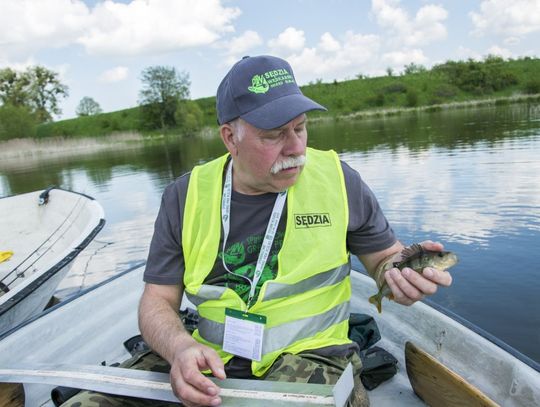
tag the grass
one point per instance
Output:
(429, 90)
(92, 126)
(424, 89)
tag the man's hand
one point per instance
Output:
(408, 286)
(163, 331)
(187, 381)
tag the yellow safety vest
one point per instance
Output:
(307, 304)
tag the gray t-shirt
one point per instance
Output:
(368, 231)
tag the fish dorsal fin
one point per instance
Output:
(412, 250)
(409, 252)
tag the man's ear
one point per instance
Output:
(227, 133)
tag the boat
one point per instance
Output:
(42, 232)
(86, 332)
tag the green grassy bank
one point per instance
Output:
(459, 83)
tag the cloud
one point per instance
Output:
(466, 53)
(507, 17)
(18, 66)
(359, 48)
(512, 41)
(116, 74)
(289, 40)
(425, 28)
(237, 47)
(501, 52)
(156, 26)
(328, 43)
(333, 58)
(26, 25)
(241, 44)
(112, 28)
(388, 14)
(61, 69)
(353, 53)
(405, 57)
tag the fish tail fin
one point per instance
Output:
(377, 301)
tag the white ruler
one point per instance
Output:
(153, 385)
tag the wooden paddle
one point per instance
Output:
(11, 395)
(439, 386)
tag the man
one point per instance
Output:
(259, 240)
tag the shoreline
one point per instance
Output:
(19, 148)
(506, 100)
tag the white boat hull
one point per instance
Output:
(44, 239)
(91, 328)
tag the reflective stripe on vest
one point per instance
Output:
(277, 290)
(282, 335)
(306, 304)
(207, 292)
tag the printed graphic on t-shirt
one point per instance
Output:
(241, 259)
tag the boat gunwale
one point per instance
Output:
(484, 334)
(430, 303)
(53, 270)
(55, 187)
(69, 299)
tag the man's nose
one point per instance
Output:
(294, 144)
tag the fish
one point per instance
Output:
(417, 258)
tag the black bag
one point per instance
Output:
(378, 366)
(190, 319)
(363, 330)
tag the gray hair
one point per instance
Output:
(238, 127)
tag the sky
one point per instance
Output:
(99, 48)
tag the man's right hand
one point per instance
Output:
(188, 383)
(163, 331)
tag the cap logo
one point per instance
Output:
(271, 79)
(258, 84)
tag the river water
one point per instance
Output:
(468, 178)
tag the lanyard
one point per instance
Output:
(268, 237)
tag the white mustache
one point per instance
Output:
(288, 163)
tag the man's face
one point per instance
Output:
(268, 160)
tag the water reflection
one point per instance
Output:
(468, 178)
(165, 159)
(450, 129)
(481, 190)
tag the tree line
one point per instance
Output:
(31, 97)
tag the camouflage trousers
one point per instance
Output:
(302, 368)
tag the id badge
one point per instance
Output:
(243, 334)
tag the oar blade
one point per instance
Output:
(439, 386)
